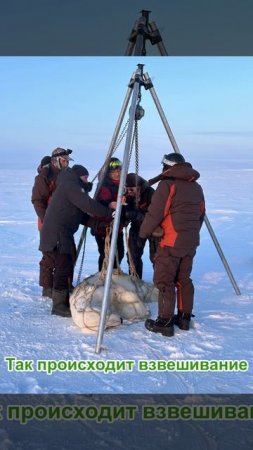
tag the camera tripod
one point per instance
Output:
(143, 30)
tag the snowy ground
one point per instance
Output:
(222, 327)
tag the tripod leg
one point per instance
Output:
(162, 49)
(162, 115)
(154, 30)
(132, 40)
(140, 45)
(81, 242)
(221, 254)
(176, 149)
(129, 50)
(125, 164)
(103, 169)
(114, 138)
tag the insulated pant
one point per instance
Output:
(137, 251)
(63, 268)
(172, 272)
(101, 249)
(47, 269)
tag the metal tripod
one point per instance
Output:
(102, 171)
(143, 30)
(137, 81)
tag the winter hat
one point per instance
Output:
(172, 158)
(80, 170)
(133, 180)
(62, 153)
(45, 161)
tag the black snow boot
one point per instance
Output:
(59, 303)
(160, 325)
(182, 320)
(47, 292)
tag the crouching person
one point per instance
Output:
(70, 206)
(178, 206)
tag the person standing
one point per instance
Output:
(138, 198)
(178, 206)
(70, 206)
(42, 191)
(107, 196)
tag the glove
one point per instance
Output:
(134, 215)
(140, 242)
(128, 215)
(158, 232)
(139, 218)
(89, 186)
(122, 215)
(97, 226)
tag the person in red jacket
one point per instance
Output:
(107, 196)
(178, 206)
(42, 191)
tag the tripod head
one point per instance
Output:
(143, 30)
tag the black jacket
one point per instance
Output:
(70, 206)
(146, 193)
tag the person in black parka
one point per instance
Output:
(70, 206)
(138, 198)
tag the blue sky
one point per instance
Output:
(74, 102)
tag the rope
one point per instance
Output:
(101, 276)
(135, 140)
(133, 274)
(107, 253)
(89, 302)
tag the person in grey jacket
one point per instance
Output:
(70, 206)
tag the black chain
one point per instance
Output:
(132, 146)
(122, 135)
(136, 159)
(82, 259)
(136, 131)
(120, 138)
(84, 233)
(135, 140)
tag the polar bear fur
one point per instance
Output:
(128, 300)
